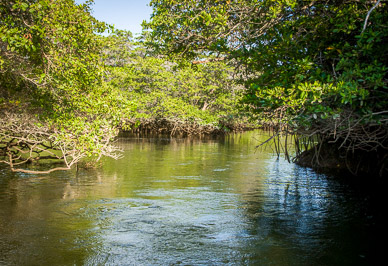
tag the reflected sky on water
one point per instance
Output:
(184, 202)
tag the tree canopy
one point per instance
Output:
(53, 102)
(315, 67)
(311, 68)
(66, 89)
(190, 99)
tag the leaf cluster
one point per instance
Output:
(309, 65)
(157, 88)
(51, 68)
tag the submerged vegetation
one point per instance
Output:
(313, 70)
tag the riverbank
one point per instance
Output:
(178, 127)
(357, 164)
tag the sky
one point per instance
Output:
(124, 14)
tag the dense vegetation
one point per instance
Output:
(66, 90)
(318, 69)
(315, 70)
(169, 97)
(53, 102)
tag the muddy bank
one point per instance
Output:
(330, 158)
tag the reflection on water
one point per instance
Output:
(183, 201)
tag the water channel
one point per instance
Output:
(181, 201)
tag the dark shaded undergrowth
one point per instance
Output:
(178, 127)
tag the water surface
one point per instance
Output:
(173, 201)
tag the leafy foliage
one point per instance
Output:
(65, 90)
(311, 66)
(153, 87)
(51, 73)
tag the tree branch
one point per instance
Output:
(367, 15)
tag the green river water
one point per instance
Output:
(181, 201)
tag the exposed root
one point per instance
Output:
(348, 143)
(24, 141)
(175, 127)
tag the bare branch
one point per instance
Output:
(367, 15)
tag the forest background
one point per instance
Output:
(312, 70)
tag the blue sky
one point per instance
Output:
(124, 14)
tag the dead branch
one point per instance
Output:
(368, 14)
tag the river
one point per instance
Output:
(182, 201)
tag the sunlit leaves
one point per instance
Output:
(51, 63)
(306, 58)
(155, 87)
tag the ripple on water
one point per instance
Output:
(183, 202)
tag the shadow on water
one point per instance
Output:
(190, 201)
